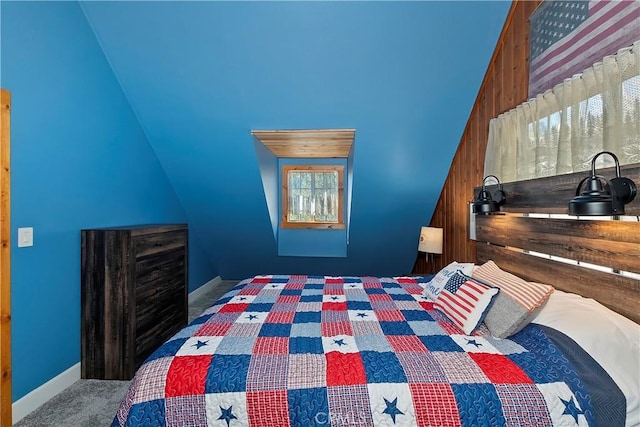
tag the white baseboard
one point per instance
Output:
(204, 288)
(37, 397)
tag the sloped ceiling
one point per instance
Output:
(202, 75)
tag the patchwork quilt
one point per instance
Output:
(349, 351)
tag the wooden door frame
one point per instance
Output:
(5, 259)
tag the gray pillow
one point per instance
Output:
(517, 303)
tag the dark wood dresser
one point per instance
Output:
(133, 295)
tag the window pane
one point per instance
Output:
(326, 210)
(332, 180)
(294, 180)
(305, 179)
(294, 205)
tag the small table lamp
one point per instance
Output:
(430, 241)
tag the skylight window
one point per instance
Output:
(312, 196)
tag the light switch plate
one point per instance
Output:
(25, 237)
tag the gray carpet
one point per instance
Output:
(93, 403)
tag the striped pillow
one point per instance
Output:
(465, 301)
(517, 304)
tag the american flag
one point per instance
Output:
(569, 36)
(464, 301)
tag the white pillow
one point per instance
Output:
(610, 338)
(433, 288)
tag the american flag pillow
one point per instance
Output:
(465, 301)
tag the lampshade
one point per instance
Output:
(602, 197)
(484, 203)
(430, 240)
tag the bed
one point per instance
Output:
(281, 350)
(543, 342)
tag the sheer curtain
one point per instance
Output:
(561, 130)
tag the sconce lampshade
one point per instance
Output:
(430, 240)
(602, 197)
(484, 203)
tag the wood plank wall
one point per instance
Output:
(503, 88)
(611, 244)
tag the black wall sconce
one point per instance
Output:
(597, 199)
(484, 203)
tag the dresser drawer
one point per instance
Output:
(150, 272)
(151, 244)
(152, 310)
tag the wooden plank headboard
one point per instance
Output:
(508, 238)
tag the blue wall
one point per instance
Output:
(79, 160)
(403, 74)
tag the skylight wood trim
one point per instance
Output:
(307, 143)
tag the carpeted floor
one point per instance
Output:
(93, 403)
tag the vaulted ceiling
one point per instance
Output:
(201, 75)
